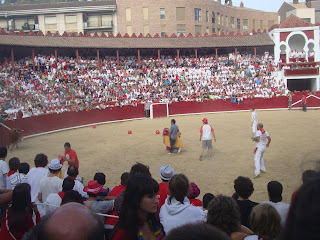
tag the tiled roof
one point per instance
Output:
(18, 7)
(262, 39)
(293, 21)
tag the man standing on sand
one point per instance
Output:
(174, 129)
(147, 105)
(254, 121)
(206, 133)
(304, 103)
(70, 156)
(261, 146)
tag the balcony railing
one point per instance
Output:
(299, 65)
(301, 72)
(33, 27)
(95, 25)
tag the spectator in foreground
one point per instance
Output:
(72, 197)
(13, 176)
(177, 209)
(3, 167)
(265, 222)
(303, 218)
(307, 176)
(244, 188)
(17, 219)
(223, 213)
(198, 231)
(101, 179)
(78, 224)
(275, 197)
(138, 217)
(194, 192)
(206, 200)
(165, 173)
(73, 172)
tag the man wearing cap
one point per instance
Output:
(206, 133)
(166, 173)
(50, 184)
(275, 196)
(95, 206)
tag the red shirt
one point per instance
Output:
(115, 192)
(196, 202)
(163, 193)
(304, 99)
(73, 155)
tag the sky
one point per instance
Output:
(264, 5)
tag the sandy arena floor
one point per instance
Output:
(109, 149)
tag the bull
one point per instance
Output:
(14, 136)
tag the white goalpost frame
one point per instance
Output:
(151, 109)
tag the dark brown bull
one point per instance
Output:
(14, 136)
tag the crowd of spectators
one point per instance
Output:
(65, 84)
(135, 209)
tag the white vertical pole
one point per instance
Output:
(167, 110)
(151, 111)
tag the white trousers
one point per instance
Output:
(254, 128)
(259, 161)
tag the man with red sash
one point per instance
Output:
(261, 146)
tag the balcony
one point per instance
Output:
(301, 72)
(33, 27)
(95, 25)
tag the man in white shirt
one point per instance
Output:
(275, 196)
(254, 121)
(52, 183)
(3, 168)
(73, 172)
(261, 146)
(35, 175)
(206, 133)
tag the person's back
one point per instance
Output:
(3, 167)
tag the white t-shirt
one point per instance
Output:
(52, 203)
(78, 186)
(206, 131)
(283, 210)
(263, 138)
(3, 170)
(254, 118)
(35, 175)
(16, 178)
(50, 185)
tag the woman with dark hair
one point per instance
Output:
(138, 216)
(265, 222)
(224, 213)
(17, 219)
(177, 209)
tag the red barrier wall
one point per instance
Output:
(45, 123)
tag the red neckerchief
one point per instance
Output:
(262, 131)
(72, 178)
(61, 194)
(11, 172)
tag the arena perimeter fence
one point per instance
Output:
(44, 124)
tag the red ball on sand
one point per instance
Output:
(94, 126)
(129, 132)
(157, 132)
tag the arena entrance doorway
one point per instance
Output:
(302, 84)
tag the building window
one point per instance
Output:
(129, 30)
(198, 29)
(4, 24)
(145, 12)
(245, 24)
(227, 21)
(232, 22)
(50, 22)
(238, 23)
(71, 21)
(163, 30)
(261, 25)
(128, 14)
(181, 13)
(98, 20)
(219, 31)
(213, 30)
(162, 13)
(218, 18)
(145, 30)
(271, 23)
(207, 16)
(213, 17)
(254, 24)
(197, 14)
(181, 28)
(222, 22)
(307, 19)
(207, 30)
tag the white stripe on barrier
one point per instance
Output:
(5, 126)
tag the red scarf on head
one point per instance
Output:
(262, 131)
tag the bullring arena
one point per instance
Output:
(109, 148)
